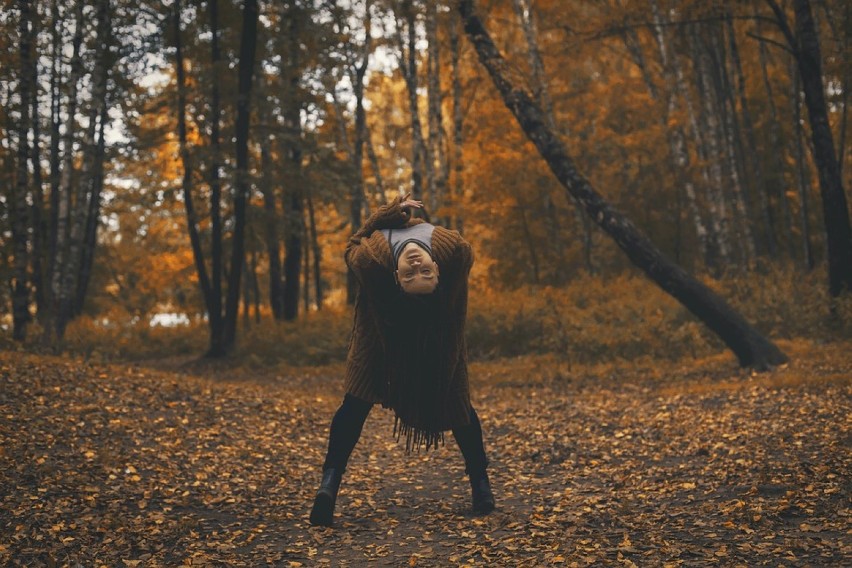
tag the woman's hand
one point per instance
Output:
(407, 204)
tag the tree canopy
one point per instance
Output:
(718, 128)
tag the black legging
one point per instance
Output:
(349, 420)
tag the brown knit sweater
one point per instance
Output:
(407, 351)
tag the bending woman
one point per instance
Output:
(407, 351)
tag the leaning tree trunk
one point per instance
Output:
(248, 47)
(751, 348)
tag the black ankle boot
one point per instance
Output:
(483, 498)
(323, 510)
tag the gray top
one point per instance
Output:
(398, 238)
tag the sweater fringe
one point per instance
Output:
(416, 438)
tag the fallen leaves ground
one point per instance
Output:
(647, 465)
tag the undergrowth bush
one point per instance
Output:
(593, 319)
(135, 341)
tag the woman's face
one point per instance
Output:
(416, 271)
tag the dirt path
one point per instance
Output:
(128, 466)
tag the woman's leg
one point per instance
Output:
(345, 431)
(469, 439)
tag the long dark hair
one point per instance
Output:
(417, 355)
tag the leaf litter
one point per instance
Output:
(132, 466)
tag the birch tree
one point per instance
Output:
(750, 346)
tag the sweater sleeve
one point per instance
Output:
(459, 271)
(460, 262)
(359, 257)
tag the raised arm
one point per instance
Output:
(393, 215)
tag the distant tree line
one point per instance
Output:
(213, 154)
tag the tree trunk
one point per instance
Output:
(714, 253)
(802, 177)
(21, 220)
(732, 144)
(435, 158)
(245, 73)
(315, 248)
(709, 137)
(541, 92)
(834, 204)
(39, 226)
(293, 207)
(408, 66)
(356, 194)
(46, 310)
(457, 190)
(528, 239)
(246, 294)
(71, 272)
(306, 271)
(374, 165)
(216, 347)
(255, 285)
(216, 252)
(751, 158)
(276, 290)
(63, 198)
(806, 49)
(774, 187)
(675, 135)
(93, 215)
(751, 348)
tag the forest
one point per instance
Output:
(659, 322)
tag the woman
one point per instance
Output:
(407, 350)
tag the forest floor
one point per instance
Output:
(651, 464)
